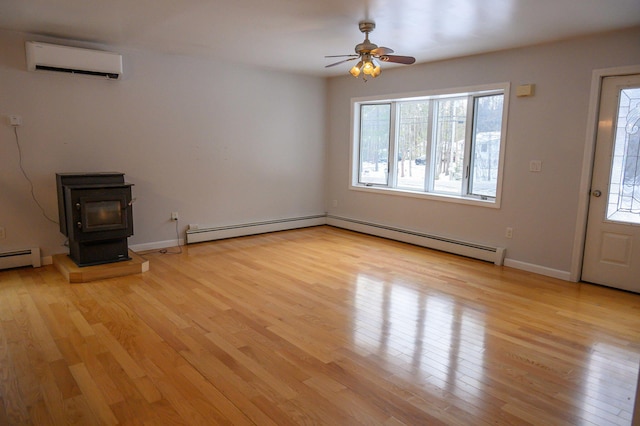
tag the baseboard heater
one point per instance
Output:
(463, 248)
(199, 234)
(18, 258)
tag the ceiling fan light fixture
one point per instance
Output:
(355, 71)
(368, 67)
(377, 70)
(370, 55)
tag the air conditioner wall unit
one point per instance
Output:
(74, 60)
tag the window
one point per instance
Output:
(449, 145)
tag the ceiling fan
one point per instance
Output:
(370, 55)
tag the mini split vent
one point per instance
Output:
(73, 60)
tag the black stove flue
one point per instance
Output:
(96, 215)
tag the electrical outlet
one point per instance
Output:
(174, 215)
(535, 166)
(2, 233)
(508, 232)
(15, 120)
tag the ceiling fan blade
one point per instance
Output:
(340, 62)
(407, 60)
(381, 51)
(340, 56)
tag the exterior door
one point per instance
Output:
(612, 245)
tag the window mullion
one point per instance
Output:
(430, 155)
(392, 163)
(428, 181)
(468, 141)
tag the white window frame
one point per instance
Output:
(390, 189)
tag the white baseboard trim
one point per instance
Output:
(156, 245)
(541, 270)
(243, 229)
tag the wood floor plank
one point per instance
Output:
(93, 394)
(315, 326)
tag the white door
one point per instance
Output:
(612, 245)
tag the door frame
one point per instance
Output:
(584, 194)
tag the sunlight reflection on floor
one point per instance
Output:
(428, 337)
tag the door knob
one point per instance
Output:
(596, 193)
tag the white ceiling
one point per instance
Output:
(295, 35)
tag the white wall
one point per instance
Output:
(218, 143)
(541, 207)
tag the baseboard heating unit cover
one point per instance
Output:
(240, 230)
(463, 248)
(18, 258)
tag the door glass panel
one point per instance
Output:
(624, 189)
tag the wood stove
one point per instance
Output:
(96, 215)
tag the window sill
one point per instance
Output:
(447, 198)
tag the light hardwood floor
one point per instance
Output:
(315, 326)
